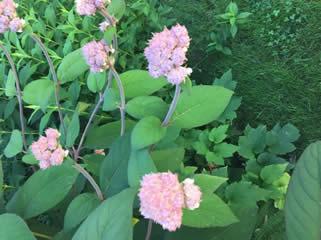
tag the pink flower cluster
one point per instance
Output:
(166, 54)
(8, 17)
(89, 7)
(163, 197)
(97, 55)
(48, 151)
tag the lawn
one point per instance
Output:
(276, 60)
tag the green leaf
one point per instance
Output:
(111, 220)
(10, 85)
(272, 173)
(253, 142)
(245, 194)
(13, 227)
(168, 159)
(145, 106)
(73, 130)
(1, 180)
(212, 157)
(111, 100)
(103, 136)
(113, 171)
(15, 144)
(280, 139)
(196, 108)
(140, 83)
(96, 81)
(225, 150)
(302, 205)
(39, 93)
(140, 163)
(213, 212)
(226, 81)
(218, 135)
(230, 111)
(93, 163)
(72, 66)
(117, 8)
(208, 183)
(29, 159)
(42, 191)
(79, 209)
(147, 131)
(232, 8)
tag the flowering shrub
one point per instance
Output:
(130, 155)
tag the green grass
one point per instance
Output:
(277, 63)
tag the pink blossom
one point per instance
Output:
(8, 17)
(47, 150)
(97, 55)
(162, 199)
(17, 24)
(100, 152)
(57, 156)
(89, 7)
(4, 23)
(166, 54)
(192, 194)
(103, 26)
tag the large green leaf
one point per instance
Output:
(140, 163)
(117, 8)
(79, 209)
(10, 90)
(13, 227)
(302, 206)
(73, 130)
(113, 171)
(111, 220)
(147, 131)
(72, 66)
(140, 83)
(15, 144)
(145, 106)
(200, 106)
(42, 191)
(1, 180)
(169, 159)
(39, 92)
(103, 136)
(213, 212)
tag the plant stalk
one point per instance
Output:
(149, 230)
(122, 100)
(54, 76)
(173, 106)
(19, 95)
(90, 179)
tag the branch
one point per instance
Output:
(122, 100)
(54, 76)
(90, 180)
(149, 230)
(93, 114)
(19, 94)
(173, 106)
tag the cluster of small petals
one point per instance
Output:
(97, 55)
(193, 194)
(89, 7)
(103, 26)
(100, 152)
(162, 199)
(166, 54)
(8, 17)
(47, 149)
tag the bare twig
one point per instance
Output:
(112, 22)
(93, 114)
(90, 180)
(54, 76)
(122, 100)
(173, 105)
(19, 94)
(149, 230)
